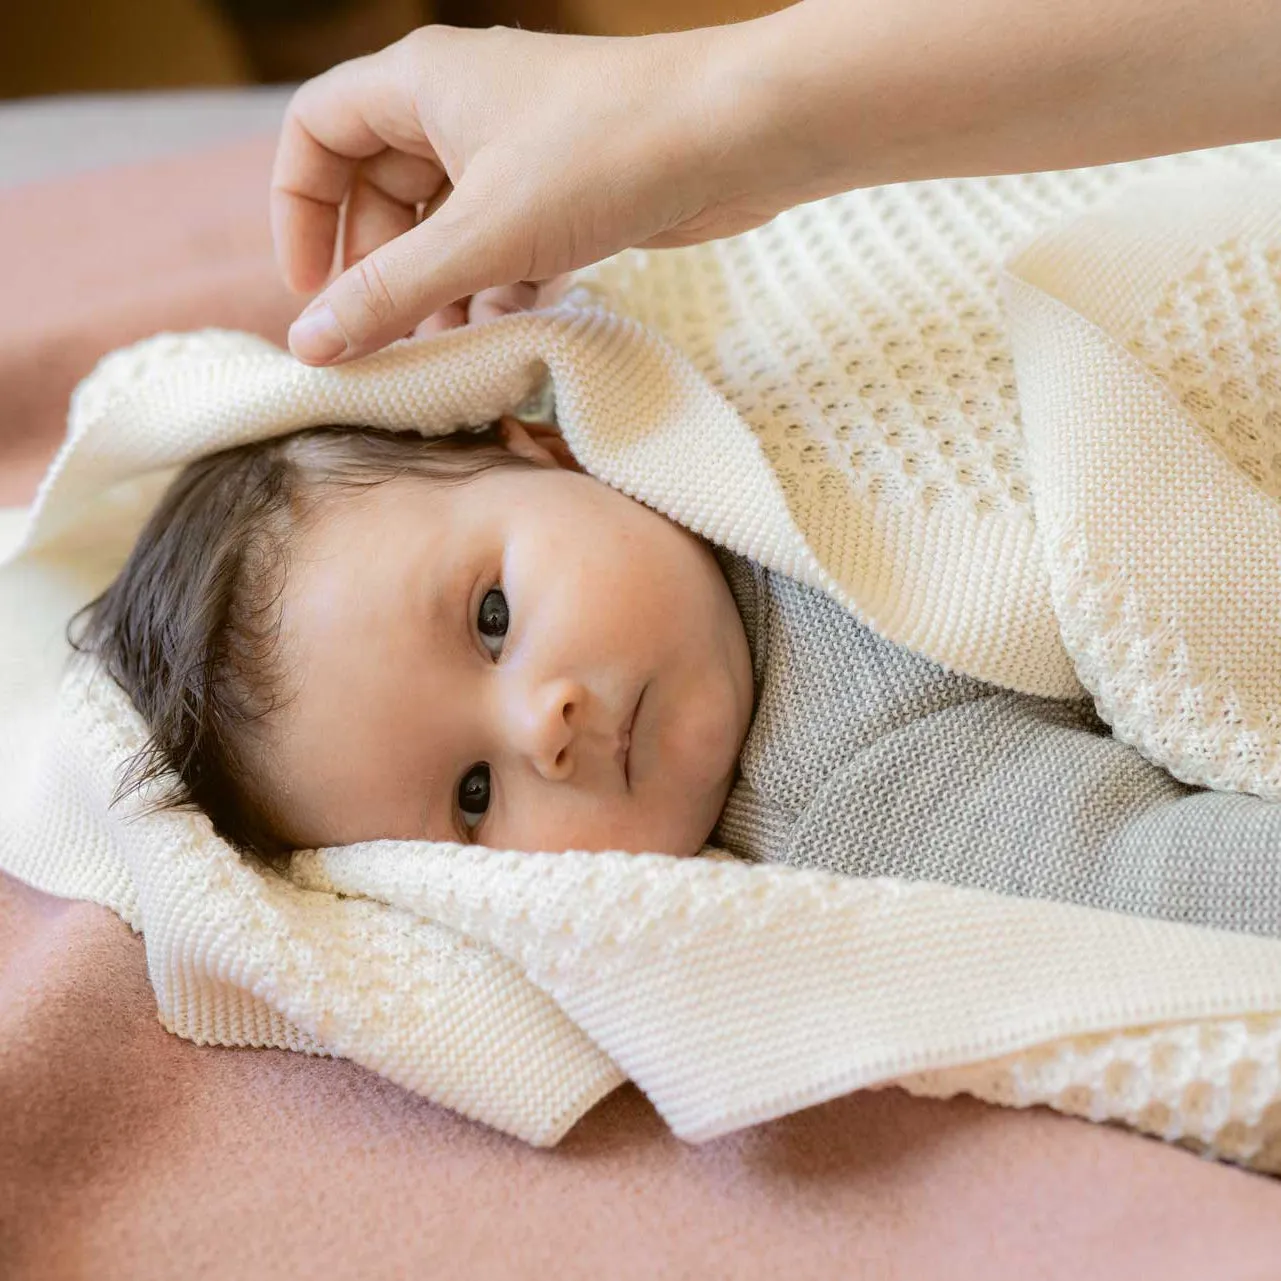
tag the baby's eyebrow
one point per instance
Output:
(440, 587)
(436, 819)
(442, 638)
(426, 828)
(435, 606)
(444, 593)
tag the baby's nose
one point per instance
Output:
(550, 726)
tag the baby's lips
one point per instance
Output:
(625, 737)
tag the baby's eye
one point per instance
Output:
(473, 794)
(492, 620)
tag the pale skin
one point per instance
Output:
(533, 154)
(529, 660)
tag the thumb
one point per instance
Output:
(459, 250)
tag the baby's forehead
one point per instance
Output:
(352, 598)
(332, 512)
(359, 533)
(368, 551)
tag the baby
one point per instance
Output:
(343, 635)
(347, 634)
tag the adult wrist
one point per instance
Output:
(779, 99)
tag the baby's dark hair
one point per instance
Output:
(189, 627)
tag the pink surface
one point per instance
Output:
(94, 262)
(125, 1152)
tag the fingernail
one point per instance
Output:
(315, 335)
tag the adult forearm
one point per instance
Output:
(857, 92)
(539, 154)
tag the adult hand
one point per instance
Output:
(470, 166)
(531, 155)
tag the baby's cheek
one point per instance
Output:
(705, 738)
(598, 827)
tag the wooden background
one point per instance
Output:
(69, 46)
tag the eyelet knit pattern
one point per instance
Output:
(1145, 334)
(1214, 339)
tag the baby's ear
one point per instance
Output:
(538, 442)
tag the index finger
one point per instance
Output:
(332, 123)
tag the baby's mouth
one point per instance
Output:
(624, 753)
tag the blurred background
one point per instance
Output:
(85, 46)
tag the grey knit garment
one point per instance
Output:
(866, 759)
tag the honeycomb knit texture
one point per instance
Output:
(1058, 478)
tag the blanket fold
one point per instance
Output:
(834, 397)
(1150, 380)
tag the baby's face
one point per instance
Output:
(528, 660)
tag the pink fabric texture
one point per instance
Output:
(96, 261)
(125, 1152)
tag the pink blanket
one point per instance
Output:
(125, 1152)
(94, 262)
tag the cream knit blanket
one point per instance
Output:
(833, 396)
